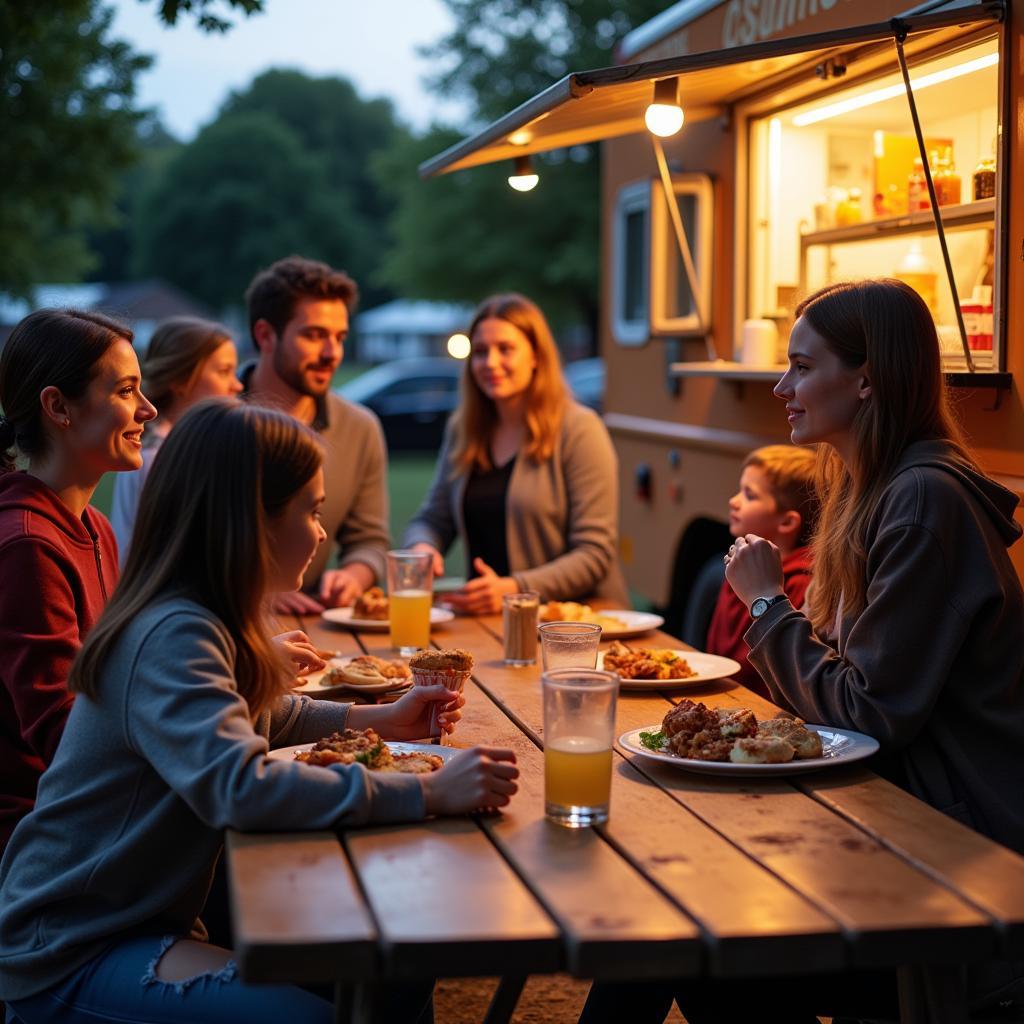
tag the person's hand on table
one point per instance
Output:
(408, 718)
(340, 588)
(753, 567)
(297, 650)
(482, 595)
(295, 602)
(438, 557)
(477, 779)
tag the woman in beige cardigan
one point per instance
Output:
(526, 476)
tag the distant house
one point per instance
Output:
(406, 328)
(140, 304)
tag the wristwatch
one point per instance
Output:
(762, 604)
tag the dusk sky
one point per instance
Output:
(371, 44)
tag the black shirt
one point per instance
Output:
(483, 507)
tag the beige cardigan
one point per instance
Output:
(561, 515)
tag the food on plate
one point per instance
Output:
(371, 604)
(693, 730)
(368, 670)
(364, 746)
(646, 663)
(570, 611)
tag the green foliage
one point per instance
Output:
(284, 168)
(464, 235)
(69, 128)
(203, 11)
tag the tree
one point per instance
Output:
(203, 11)
(243, 194)
(69, 128)
(466, 234)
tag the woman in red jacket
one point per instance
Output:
(69, 390)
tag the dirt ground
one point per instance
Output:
(547, 999)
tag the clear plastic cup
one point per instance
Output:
(410, 586)
(519, 627)
(569, 644)
(579, 729)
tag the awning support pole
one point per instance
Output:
(899, 35)
(683, 243)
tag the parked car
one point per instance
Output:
(412, 397)
(586, 378)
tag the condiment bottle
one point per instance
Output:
(947, 182)
(984, 178)
(917, 189)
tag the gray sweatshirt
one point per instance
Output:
(128, 821)
(562, 515)
(933, 667)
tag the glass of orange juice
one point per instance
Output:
(410, 586)
(579, 726)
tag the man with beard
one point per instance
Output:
(299, 317)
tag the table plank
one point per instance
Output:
(752, 923)
(296, 909)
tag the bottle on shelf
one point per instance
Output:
(984, 178)
(917, 189)
(948, 185)
(849, 211)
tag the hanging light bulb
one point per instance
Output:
(664, 116)
(523, 177)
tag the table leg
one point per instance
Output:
(503, 1003)
(932, 995)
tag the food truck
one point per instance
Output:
(820, 140)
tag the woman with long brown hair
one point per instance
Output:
(72, 411)
(526, 477)
(181, 694)
(187, 360)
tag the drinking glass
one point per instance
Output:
(579, 727)
(519, 626)
(569, 644)
(410, 582)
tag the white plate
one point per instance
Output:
(312, 687)
(445, 753)
(636, 623)
(707, 667)
(842, 746)
(343, 617)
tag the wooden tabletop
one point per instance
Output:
(693, 875)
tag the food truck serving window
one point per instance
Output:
(837, 191)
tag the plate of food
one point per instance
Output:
(661, 668)
(363, 674)
(615, 623)
(731, 741)
(365, 746)
(347, 618)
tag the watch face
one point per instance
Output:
(759, 607)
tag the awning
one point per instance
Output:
(589, 106)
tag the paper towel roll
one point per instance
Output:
(760, 339)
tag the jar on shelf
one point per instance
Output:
(917, 189)
(849, 210)
(984, 178)
(948, 186)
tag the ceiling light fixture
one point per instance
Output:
(523, 178)
(664, 116)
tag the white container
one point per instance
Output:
(760, 340)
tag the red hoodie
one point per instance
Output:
(56, 573)
(731, 618)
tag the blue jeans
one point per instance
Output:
(121, 986)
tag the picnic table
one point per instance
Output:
(692, 876)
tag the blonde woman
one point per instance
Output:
(188, 359)
(526, 477)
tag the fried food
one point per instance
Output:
(368, 670)
(761, 750)
(646, 663)
(805, 743)
(364, 746)
(570, 611)
(694, 731)
(371, 604)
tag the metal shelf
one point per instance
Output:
(959, 216)
(724, 369)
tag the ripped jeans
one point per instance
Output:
(122, 985)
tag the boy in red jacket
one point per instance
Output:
(777, 501)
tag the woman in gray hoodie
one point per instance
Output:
(181, 696)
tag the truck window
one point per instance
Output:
(630, 266)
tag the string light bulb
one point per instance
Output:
(523, 178)
(664, 116)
